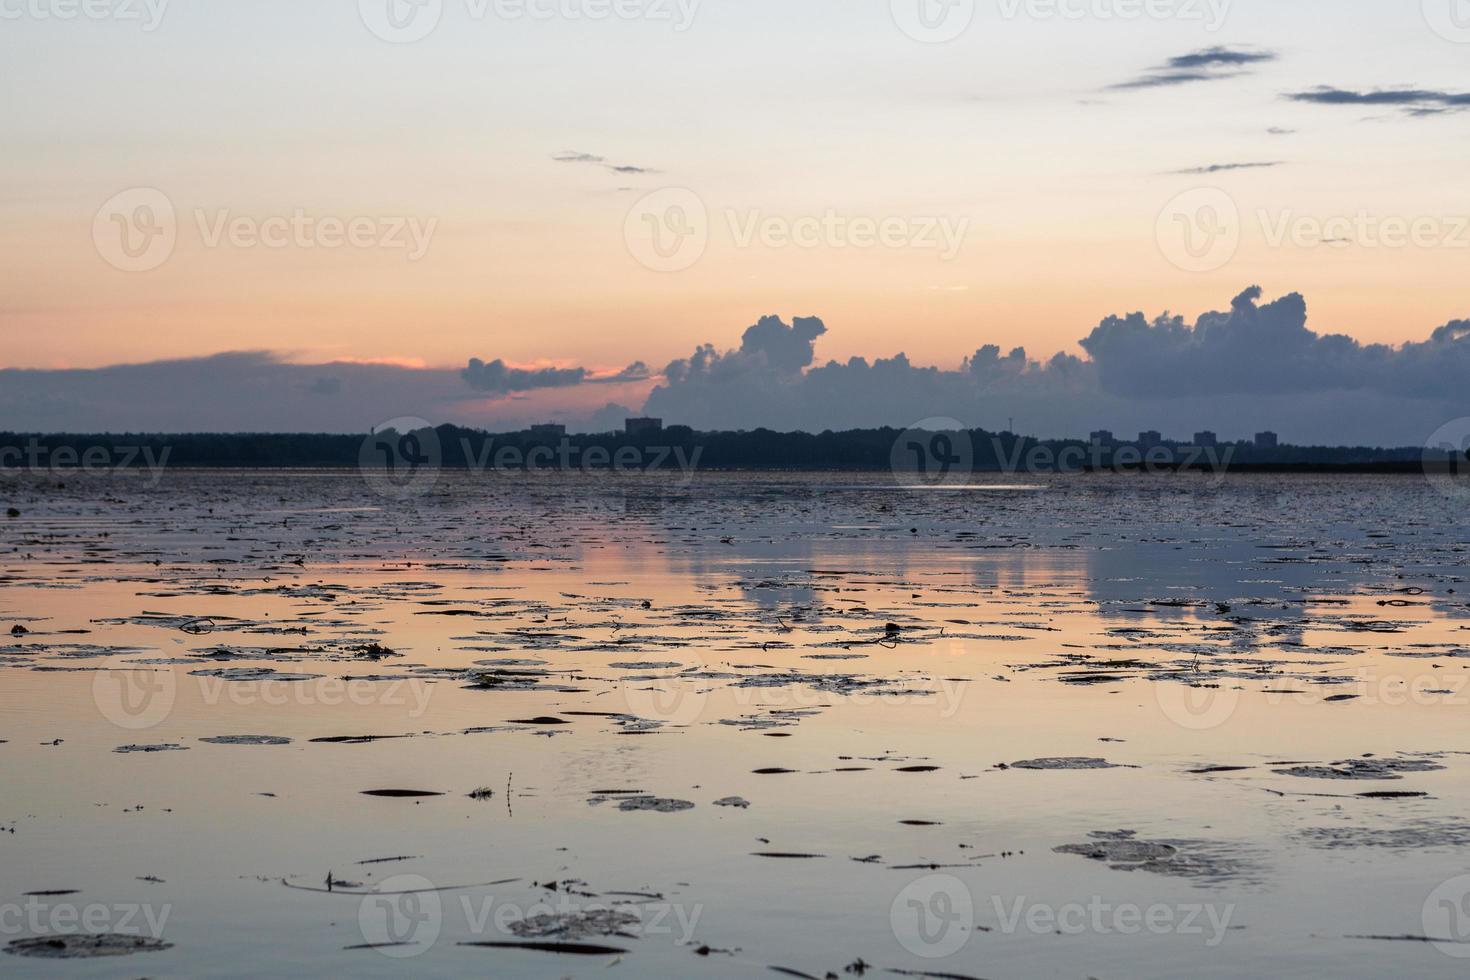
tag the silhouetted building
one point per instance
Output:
(1206, 439)
(1150, 439)
(551, 430)
(644, 427)
(1102, 437)
(1267, 440)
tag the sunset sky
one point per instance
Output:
(1059, 143)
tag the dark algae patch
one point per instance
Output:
(85, 946)
(400, 794)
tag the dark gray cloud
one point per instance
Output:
(257, 391)
(1219, 168)
(1209, 65)
(785, 349)
(1167, 79)
(498, 378)
(1452, 332)
(1254, 366)
(575, 156)
(1413, 101)
(770, 351)
(608, 418)
(1218, 57)
(637, 371)
(1256, 349)
(248, 391)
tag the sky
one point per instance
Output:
(320, 216)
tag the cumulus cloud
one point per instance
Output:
(1251, 349)
(770, 349)
(1250, 367)
(1209, 65)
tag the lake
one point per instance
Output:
(277, 724)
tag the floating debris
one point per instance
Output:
(1122, 850)
(1361, 769)
(1067, 762)
(84, 946)
(165, 747)
(574, 925)
(570, 949)
(400, 794)
(247, 740)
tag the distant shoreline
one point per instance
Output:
(922, 455)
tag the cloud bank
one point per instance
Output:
(1255, 365)
(1252, 367)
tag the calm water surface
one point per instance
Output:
(1261, 685)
